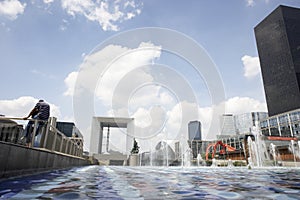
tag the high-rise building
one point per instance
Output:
(278, 43)
(283, 125)
(68, 129)
(194, 128)
(227, 125)
(245, 122)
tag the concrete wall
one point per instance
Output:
(98, 123)
(95, 136)
(111, 159)
(19, 160)
(134, 160)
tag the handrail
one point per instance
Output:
(49, 137)
(19, 118)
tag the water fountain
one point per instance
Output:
(200, 161)
(294, 149)
(166, 154)
(275, 154)
(214, 163)
(230, 163)
(151, 154)
(161, 155)
(298, 149)
(187, 157)
(258, 153)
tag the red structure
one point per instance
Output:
(224, 148)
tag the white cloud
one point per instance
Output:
(12, 8)
(74, 7)
(70, 83)
(239, 105)
(178, 118)
(21, 107)
(150, 93)
(250, 3)
(143, 118)
(125, 70)
(113, 71)
(107, 13)
(130, 60)
(48, 1)
(251, 66)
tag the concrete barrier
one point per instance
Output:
(20, 160)
(133, 160)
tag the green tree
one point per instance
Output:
(135, 148)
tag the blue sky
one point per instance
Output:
(44, 42)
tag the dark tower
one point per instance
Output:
(278, 44)
(194, 128)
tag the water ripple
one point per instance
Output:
(113, 182)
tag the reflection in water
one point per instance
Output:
(112, 182)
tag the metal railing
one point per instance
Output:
(48, 136)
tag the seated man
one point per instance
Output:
(41, 111)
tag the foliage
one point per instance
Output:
(208, 162)
(135, 148)
(209, 156)
(239, 164)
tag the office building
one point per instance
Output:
(68, 129)
(10, 131)
(194, 129)
(245, 122)
(278, 44)
(198, 147)
(282, 125)
(227, 126)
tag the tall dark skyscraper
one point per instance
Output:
(278, 43)
(194, 128)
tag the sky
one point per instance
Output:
(102, 49)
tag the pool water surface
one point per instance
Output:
(116, 182)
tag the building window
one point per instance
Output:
(265, 132)
(285, 131)
(283, 119)
(273, 122)
(274, 131)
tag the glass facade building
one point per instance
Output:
(194, 129)
(227, 125)
(198, 147)
(232, 125)
(278, 44)
(282, 125)
(68, 129)
(245, 122)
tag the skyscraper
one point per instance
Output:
(244, 122)
(278, 43)
(227, 125)
(194, 128)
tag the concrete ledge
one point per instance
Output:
(133, 160)
(20, 160)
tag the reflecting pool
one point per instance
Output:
(114, 182)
